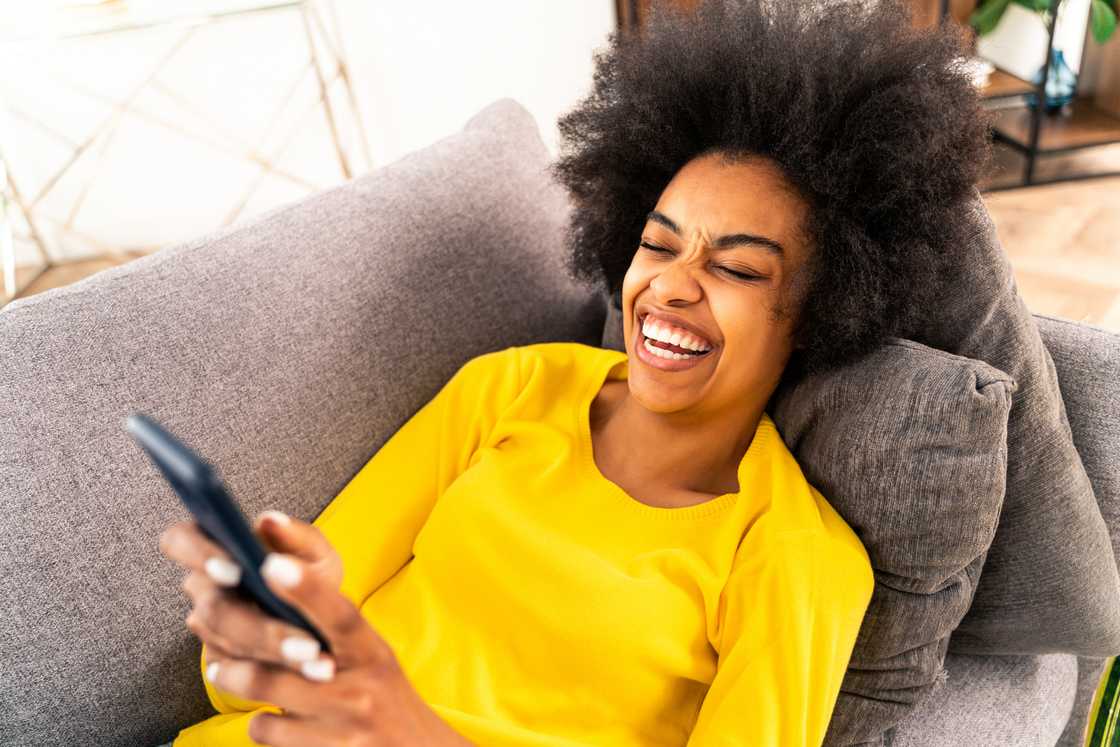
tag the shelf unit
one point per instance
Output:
(1032, 131)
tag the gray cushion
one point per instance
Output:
(1089, 671)
(994, 701)
(286, 350)
(1087, 362)
(909, 446)
(1050, 582)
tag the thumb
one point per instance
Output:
(282, 533)
(294, 537)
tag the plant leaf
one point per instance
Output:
(1102, 19)
(986, 17)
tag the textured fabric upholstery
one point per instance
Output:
(1023, 701)
(285, 350)
(1035, 595)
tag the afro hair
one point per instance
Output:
(874, 122)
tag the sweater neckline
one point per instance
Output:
(609, 361)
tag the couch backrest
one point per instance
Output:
(285, 350)
(1087, 362)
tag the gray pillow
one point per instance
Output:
(286, 350)
(1050, 582)
(909, 446)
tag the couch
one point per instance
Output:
(285, 349)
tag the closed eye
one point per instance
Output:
(728, 270)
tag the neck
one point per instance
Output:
(689, 454)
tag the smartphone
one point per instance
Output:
(217, 514)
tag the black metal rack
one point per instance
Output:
(1033, 132)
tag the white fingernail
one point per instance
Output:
(320, 669)
(298, 648)
(277, 516)
(281, 569)
(212, 671)
(223, 571)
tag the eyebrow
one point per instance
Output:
(724, 242)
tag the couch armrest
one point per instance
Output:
(994, 701)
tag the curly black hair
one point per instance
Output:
(874, 122)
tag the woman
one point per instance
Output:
(571, 545)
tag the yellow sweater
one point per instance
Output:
(532, 601)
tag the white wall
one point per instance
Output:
(1018, 43)
(420, 70)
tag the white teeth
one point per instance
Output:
(663, 353)
(661, 333)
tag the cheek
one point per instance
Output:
(639, 276)
(633, 283)
(634, 273)
(754, 345)
(741, 317)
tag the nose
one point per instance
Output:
(676, 281)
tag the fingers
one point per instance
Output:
(214, 652)
(293, 537)
(266, 683)
(239, 626)
(290, 730)
(185, 543)
(301, 540)
(352, 639)
(241, 629)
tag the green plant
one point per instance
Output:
(1102, 15)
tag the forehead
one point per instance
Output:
(715, 197)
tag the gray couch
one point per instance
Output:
(286, 350)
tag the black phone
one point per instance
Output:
(217, 514)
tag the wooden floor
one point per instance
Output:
(1064, 238)
(69, 272)
(1063, 241)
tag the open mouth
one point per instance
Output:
(667, 349)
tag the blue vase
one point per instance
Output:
(1061, 86)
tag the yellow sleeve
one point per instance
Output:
(373, 522)
(791, 611)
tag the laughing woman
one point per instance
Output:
(571, 545)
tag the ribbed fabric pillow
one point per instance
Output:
(909, 446)
(1050, 582)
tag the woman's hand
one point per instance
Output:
(356, 695)
(230, 625)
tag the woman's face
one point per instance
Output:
(713, 220)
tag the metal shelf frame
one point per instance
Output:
(1031, 149)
